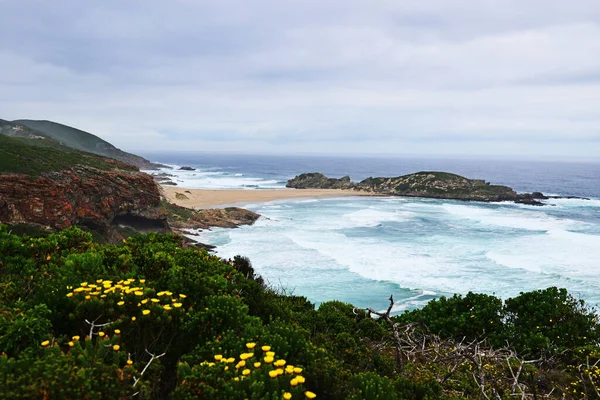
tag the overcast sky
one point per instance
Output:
(461, 77)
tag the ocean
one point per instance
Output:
(361, 249)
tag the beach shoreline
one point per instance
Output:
(219, 198)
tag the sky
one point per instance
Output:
(485, 78)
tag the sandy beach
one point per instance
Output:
(206, 198)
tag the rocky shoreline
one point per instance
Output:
(427, 184)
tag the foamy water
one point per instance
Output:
(361, 250)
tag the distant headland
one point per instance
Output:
(428, 184)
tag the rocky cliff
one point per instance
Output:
(440, 185)
(106, 201)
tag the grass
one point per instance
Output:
(36, 156)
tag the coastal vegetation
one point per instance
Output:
(151, 318)
(34, 157)
(52, 134)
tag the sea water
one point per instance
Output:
(362, 249)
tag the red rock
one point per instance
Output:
(82, 195)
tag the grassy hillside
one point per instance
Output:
(34, 156)
(81, 140)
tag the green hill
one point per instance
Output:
(34, 156)
(70, 137)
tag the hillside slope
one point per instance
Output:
(71, 137)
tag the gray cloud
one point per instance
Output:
(452, 78)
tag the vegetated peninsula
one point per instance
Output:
(48, 185)
(429, 184)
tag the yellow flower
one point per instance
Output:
(159, 294)
(273, 373)
(268, 359)
(218, 357)
(116, 347)
(256, 365)
(230, 360)
(287, 395)
(245, 356)
(133, 318)
(240, 364)
(300, 379)
(155, 300)
(83, 284)
(266, 348)
(310, 395)
(279, 363)
(236, 379)
(101, 334)
(71, 344)
(169, 293)
(99, 281)
(129, 362)
(48, 258)
(279, 371)
(69, 294)
(78, 290)
(183, 296)
(88, 297)
(177, 305)
(45, 343)
(120, 303)
(142, 281)
(117, 331)
(270, 354)
(246, 372)
(138, 293)
(144, 301)
(297, 370)
(103, 296)
(146, 312)
(167, 307)
(76, 338)
(289, 369)
(250, 345)
(294, 382)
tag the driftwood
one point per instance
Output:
(414, 343)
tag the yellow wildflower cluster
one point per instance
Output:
(273, 367)
(103, 338)
(127, 292)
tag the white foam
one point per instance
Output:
(570, 203)
(558, 252)
(214, 178)
(533, 220)
(370, 217)
(438, 247)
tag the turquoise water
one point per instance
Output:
(361, 249)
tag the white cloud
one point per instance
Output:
(458, 77)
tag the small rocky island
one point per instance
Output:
(438, 185)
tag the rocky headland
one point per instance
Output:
(438, 185)
(46, 186)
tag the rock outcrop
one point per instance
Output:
(104, 201)
(186, 218)
(441, 185)
(315, 180)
